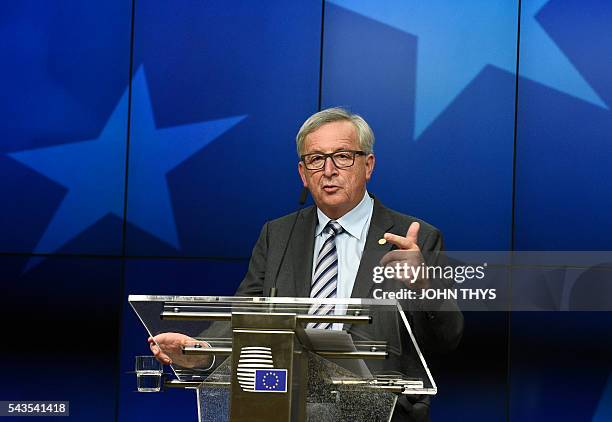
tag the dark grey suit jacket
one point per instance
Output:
(438, 329)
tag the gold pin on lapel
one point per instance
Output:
(382, 241)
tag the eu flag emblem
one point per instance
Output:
(271, 380)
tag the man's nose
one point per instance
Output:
(330, 168)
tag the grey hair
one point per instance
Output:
(365, 136)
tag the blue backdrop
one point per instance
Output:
(145, 143)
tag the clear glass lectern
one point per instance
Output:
(270, 359)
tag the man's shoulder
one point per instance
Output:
(399, 220)
(402, 221)
(286, 221)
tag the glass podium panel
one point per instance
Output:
(374, 326)
(330, 397)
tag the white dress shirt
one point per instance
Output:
(349, 246)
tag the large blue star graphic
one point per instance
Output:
(93, 171)
(457, 39)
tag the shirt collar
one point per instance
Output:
(353, 221)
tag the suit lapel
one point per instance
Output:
(380, 223)
(302, 251)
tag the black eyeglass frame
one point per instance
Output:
(331, 155)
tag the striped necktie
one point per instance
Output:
(325, 278)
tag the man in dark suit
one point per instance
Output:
(337, 243)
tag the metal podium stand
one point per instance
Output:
(269, 365)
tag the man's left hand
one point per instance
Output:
(407, 255)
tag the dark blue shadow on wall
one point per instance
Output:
(60, 333)
(472, 380)
(562, 188)
(560, 365)
(581, 28)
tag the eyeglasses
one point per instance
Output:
(341, 159)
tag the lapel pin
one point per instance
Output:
(382, 241)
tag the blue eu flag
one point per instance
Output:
(271, 380)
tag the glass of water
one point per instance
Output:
(148, 374)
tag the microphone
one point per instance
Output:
(303, 196)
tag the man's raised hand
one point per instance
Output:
(407, 253)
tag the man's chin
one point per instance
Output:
(332, 205)
(333, 199)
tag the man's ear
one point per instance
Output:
(301, 170)
(370, 162)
